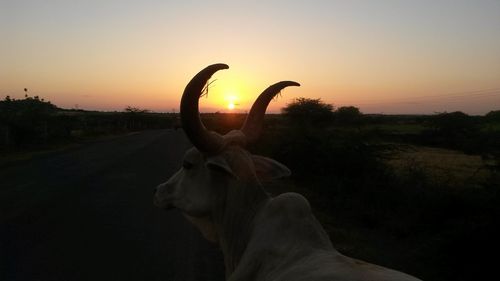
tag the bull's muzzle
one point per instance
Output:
(160, 201)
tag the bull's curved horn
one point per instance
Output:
(200, 137)
(253, 124)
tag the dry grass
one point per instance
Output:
(443, 166)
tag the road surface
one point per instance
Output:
(86, 213)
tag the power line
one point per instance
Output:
(445, 97)
(462, 93)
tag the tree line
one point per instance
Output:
(32, 122)
(338, 157)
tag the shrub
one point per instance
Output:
(26, 120)
(493, 116)
(348, 115)
(455, 130)
(454, 124)
(305, 112)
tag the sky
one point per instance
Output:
(393, 57)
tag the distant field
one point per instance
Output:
(495, 127)
(443, 166)
(399, 128)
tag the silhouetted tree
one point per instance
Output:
(493, 115)
(308, 112)
(24, 121)
(348, 115)
(131, 109)
(136, 118)
(455, 130)
(454, 124)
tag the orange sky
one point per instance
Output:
(388, 56)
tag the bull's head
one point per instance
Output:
(218, 164)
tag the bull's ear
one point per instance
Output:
(219, 163)
(269, 169)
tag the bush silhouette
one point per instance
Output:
(493, 116)
(348, 115)
(454, 124)
(24, 121)
(455, 130)
(308, 112)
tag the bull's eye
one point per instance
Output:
(187, 165)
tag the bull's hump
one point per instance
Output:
(292, 204)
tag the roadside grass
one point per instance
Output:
(358, 230)
(442, 166)
(407, 222)
(403, 206)
(491, 127)
(397, 128)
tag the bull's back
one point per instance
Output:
(292, 245)
(332, 266)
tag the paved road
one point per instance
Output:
(87, 214)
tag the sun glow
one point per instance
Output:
(231, 101)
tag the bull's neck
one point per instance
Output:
(234, 220)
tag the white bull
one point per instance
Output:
(219, 190)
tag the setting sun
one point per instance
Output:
(231, 101)
(379, 56)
